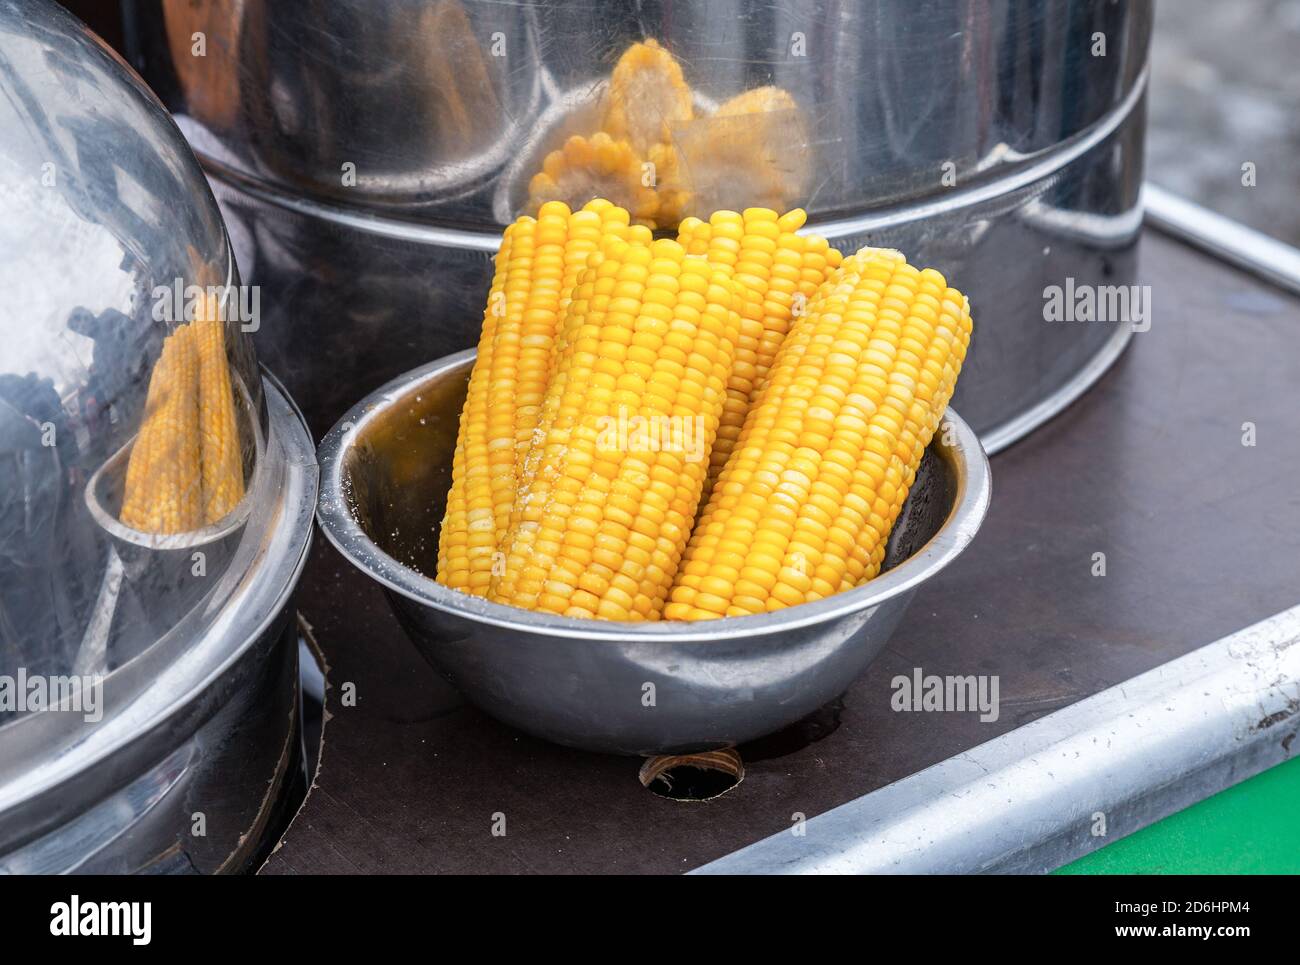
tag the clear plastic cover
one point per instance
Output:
(131, 412)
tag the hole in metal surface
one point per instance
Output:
(693, 777)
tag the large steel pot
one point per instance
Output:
(148, 672)
(998, 140)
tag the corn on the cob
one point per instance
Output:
(752, 150)
(775, 271)
(596, 167)
(602, 524)
(486, 438)
(536, 269)
(613, 226)
(647, 95)
(840, 406)
(804, 506)
(666, 168)
(220, 458)
(163, 492)
(758, 100)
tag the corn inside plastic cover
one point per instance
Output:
(132, 418)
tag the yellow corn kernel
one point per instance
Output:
(776, 271)
(600, 528)
(163, 490)
(752, 150)
(467, 539)
(536, 268)
(596, 167)
(647, 95)
(804, 505)
(221, 459)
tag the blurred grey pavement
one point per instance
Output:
(1225, 90)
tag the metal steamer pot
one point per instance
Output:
(366, 154)
(148, 674)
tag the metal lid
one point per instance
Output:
(132, 418)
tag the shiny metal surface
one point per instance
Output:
(380, 292)
(989, 139)
(385, 473)
(1027, 802)
(109, 242)
(204, 720)
(431, 99)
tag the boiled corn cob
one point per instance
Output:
(163, 491)
(601, 526)
(753, 149)
(631, 160)
(647, 95)
(528, 458)
(758, 100)
(220, 459)
(599, 166)
(804, 505)
(775, 271)
(536, 268)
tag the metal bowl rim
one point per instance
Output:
(227, 641)
(970, 503)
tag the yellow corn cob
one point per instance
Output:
(220, 457)
(614, 225)
(753, 149)
(775, 271)
(818, 263)
(602, 525)
(665, 164)
(758, 100)
(596, 167)
(163, 491)
(541, 306)
(804, 506)
(536, 268)
(467, 538)
(647, 95)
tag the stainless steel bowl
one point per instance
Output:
(648, 688)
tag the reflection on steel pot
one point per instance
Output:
(998, 140)
(386, 469)
(155, 492)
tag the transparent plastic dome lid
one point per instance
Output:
(132, 420)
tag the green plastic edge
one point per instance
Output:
(1250, 828)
